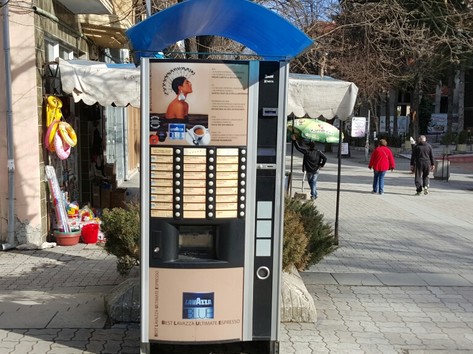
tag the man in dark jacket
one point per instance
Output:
(313, 160)
(422, 162)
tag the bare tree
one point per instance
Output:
(408, 44)
(380, 45)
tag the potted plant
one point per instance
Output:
(462, 140)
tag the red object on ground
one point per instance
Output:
(90, 233)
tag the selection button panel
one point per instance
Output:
(198, 183)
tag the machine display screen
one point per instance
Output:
(197, 242)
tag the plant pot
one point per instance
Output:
(67, 238)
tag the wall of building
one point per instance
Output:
(3, 146)
(29, 29)
(26, 130)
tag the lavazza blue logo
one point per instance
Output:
(197, 306)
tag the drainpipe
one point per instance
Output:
(9, 112)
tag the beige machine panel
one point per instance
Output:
(201, 293)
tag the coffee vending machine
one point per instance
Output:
(212, 200)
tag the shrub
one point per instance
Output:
(319, 233)
(448, 138)
(295, 242)
(462, 137)
(122, 232)
(307, 238)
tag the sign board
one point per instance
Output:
(345, 151)
(402, 124)
(358, 127)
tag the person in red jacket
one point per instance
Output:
(381, 160)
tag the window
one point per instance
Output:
(54, 50)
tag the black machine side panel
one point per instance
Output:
(265, 191)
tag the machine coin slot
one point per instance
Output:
(270, 112)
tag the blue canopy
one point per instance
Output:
(263, 31)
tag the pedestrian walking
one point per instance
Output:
(381, 160)
(313, 161)
(422, 162)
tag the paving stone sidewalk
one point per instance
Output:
(401, 280)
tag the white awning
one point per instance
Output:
(119, 84)
(107, 84)
(317, 96)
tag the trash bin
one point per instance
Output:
(442, 169)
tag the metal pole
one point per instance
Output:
(367, 144)
(292, 160)
(9, 114)
(337, 211)
(148, 8)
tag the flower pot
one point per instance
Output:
(67, 238)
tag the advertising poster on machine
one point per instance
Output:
(198, 142)
(198, 104)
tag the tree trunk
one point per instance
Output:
(388, 112)
(461, 100)
(203, 46)
(415, 110)
(451, 84)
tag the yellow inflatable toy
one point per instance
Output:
(53, 110)
(60, 136)
(67, 134)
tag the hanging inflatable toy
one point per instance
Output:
(50, 134)
(53, 110)
(67, 134)
(60, 136)
(53, 117)
(63, 150)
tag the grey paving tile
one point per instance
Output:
(28, 317)
(357, 279)
(400, 279)
(468, 276)
(434, 279)
(314, 278)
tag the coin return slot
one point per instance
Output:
(263, 273)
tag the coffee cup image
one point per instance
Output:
(199, 131)
(199, 135)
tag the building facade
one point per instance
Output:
(33, 37)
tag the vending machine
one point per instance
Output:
(212, 177)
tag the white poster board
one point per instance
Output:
(358, 127)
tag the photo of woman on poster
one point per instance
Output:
(178, 108)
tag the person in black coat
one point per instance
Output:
(422, 162)
(312, 162)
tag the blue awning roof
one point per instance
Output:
(263, 31)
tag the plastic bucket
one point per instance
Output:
(90, 233)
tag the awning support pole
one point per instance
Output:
(339, 155)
